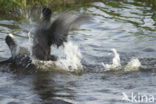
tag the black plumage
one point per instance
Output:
(47, 34)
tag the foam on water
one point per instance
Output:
(133, 64)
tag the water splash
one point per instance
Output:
(69, 61)
(133, 64)
(72, 61)
(115, 62)
(30, 41)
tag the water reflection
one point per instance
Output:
(53, 87)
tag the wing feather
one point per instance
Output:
(63, 24)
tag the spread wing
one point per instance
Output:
(63, 24)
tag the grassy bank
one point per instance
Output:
(13, 5)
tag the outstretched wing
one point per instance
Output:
(63, 24)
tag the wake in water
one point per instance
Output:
(133, 64)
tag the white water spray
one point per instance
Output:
(71, 61)
(115, 62)
(133, 64)
(69, 58)
(30, 42)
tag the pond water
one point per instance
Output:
(118, 56)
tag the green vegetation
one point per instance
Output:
(17, 9)
(14, 5)
(11, 5)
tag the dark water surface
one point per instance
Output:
(129, 26)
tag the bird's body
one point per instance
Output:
(47, 34)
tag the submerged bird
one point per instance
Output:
(45, 35)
